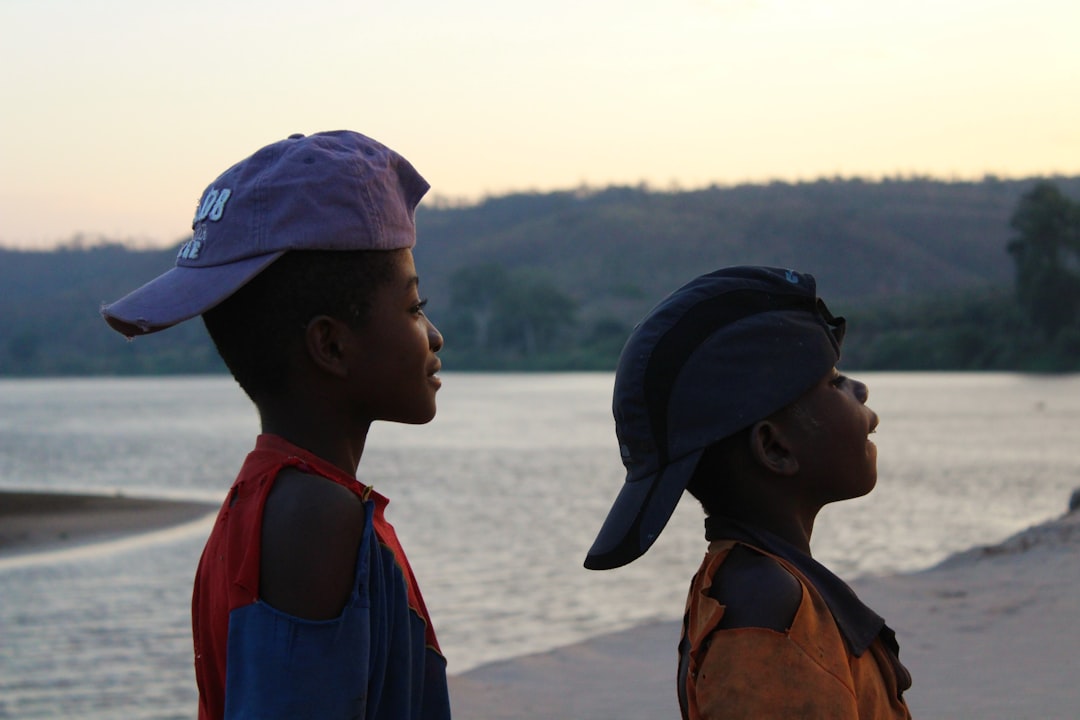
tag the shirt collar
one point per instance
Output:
(310, 462)
(858, 623)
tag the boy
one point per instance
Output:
(301, 266)
(728, 388)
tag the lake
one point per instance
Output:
(496, 503)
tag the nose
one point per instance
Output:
(435, 338)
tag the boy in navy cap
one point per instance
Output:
(301, 266)
(728, 388)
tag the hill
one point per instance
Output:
(556, 280)
(860, 239)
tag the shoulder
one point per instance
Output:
(307, 500)
(311, 533)
(313, 511)
(756, 590)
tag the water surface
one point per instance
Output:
(496, 502)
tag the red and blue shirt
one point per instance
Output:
(378, 660)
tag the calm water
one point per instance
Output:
(496, 502)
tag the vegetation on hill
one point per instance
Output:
(931, 274)
(1034, 327)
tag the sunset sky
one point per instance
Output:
(115, 114)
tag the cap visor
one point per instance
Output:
(180, 294)
(639, 513)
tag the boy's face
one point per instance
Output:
(393, 372)
(831, 425)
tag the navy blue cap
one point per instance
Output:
(720, 353)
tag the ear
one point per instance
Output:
(326, 343)
(772, 448)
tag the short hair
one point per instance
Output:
(707, 483)
(256, 329)
(717, 463)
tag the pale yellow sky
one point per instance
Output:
(115, 114)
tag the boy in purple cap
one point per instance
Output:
(301, 266)
(729, 389)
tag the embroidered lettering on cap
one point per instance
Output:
(213, 204)
(190, 250)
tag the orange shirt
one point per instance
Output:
(810, 671)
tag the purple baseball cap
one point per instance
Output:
(328, 191)
(720, 353)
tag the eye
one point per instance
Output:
(838, 380)
(418, 308)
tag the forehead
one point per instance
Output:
(402, 275)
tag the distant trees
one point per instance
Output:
(960, 330)
(503, 318)
(555, 281)
(499, 317)
(1046, 251)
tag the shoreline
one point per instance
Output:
(986, 633)
(37, 522)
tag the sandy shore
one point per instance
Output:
(991, 634)
(31, 522)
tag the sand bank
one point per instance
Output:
(991, 633)
(32, 522)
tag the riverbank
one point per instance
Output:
(989, 633)
(37, 522)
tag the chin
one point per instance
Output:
(422, 417)
(869, 486)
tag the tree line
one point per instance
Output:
(931, 274)
(1033, 325)
(521, 319)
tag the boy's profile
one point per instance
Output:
(728, 389)
(301, 266)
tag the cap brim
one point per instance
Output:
(641, 510)
(181, 294)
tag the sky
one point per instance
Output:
(116, 114)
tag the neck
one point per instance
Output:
(776, 512)
(326, 434)
(796, 531)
